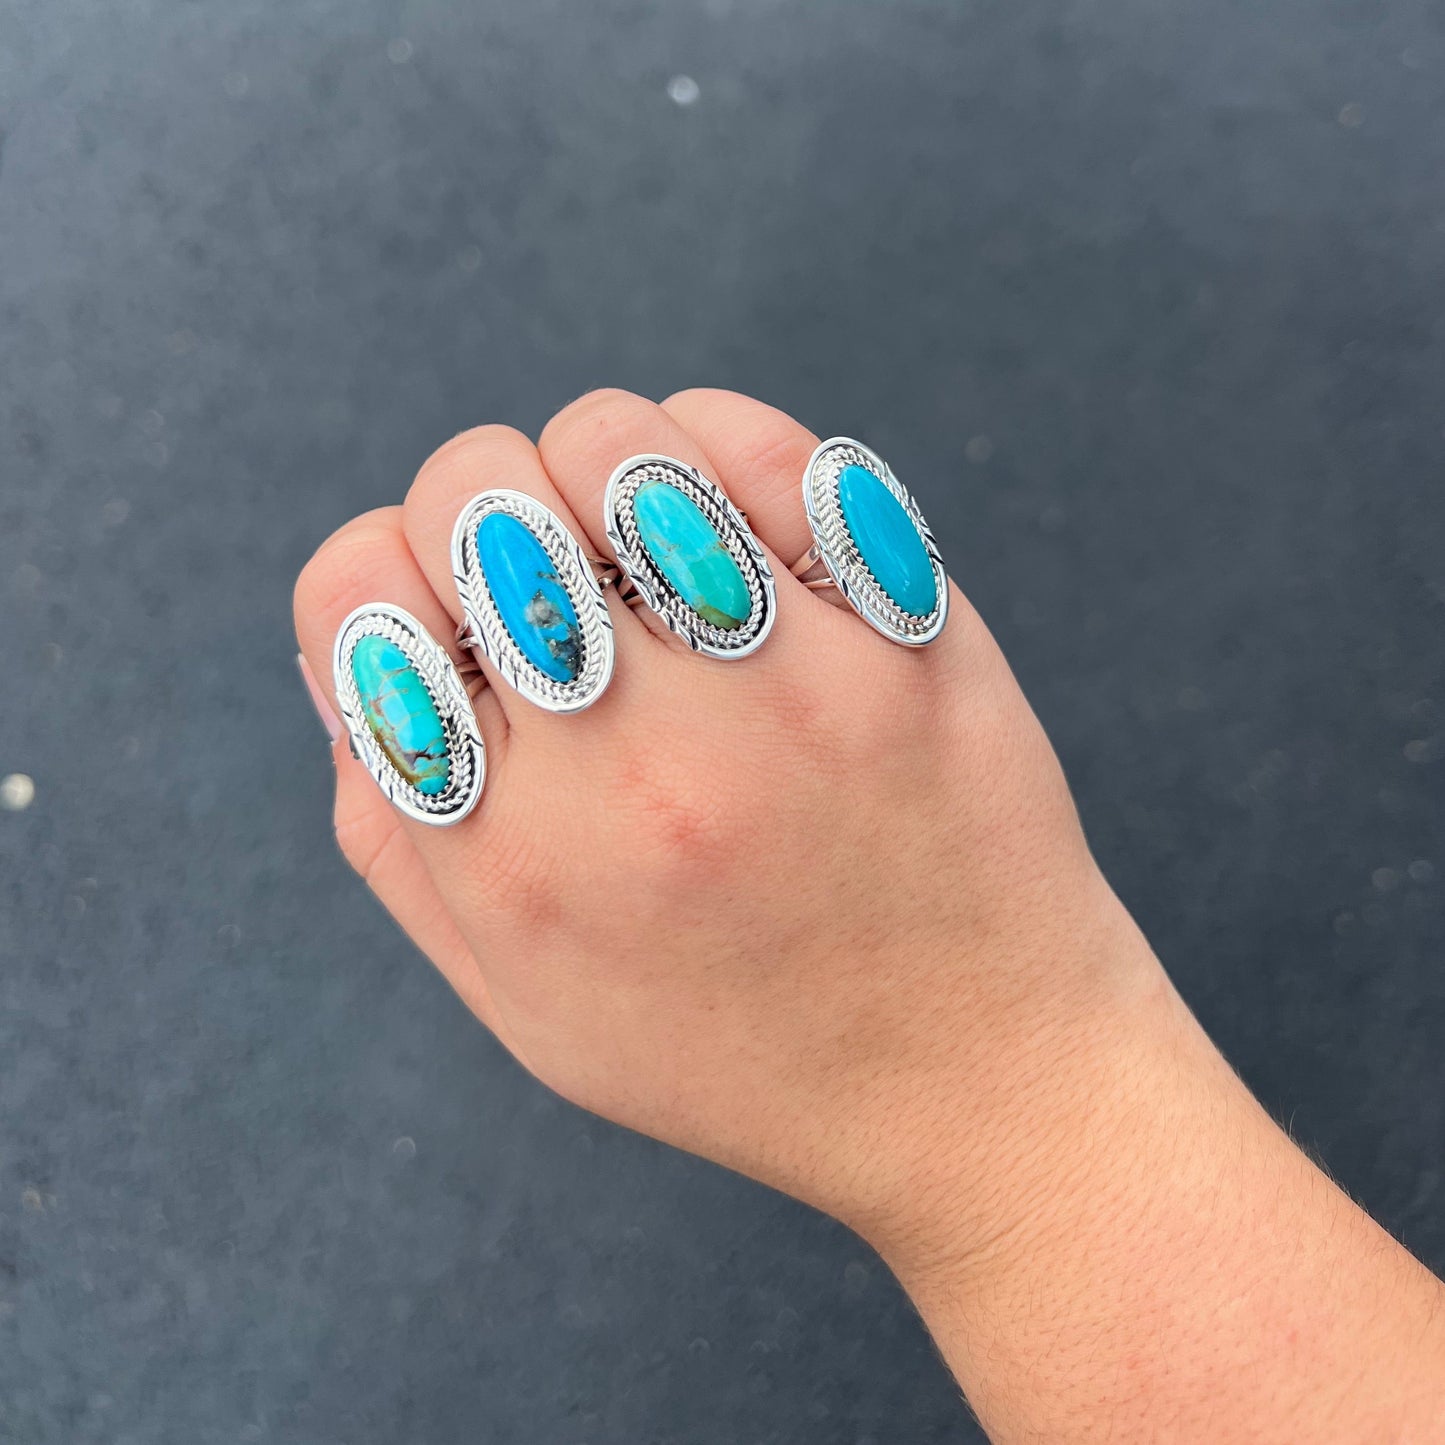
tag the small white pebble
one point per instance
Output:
(405, 1147)
(683, 90)
(17, 792)
(398, 51)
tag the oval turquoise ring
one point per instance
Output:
(409, 714)
(691, 555)
(531, 604)
(870, 542)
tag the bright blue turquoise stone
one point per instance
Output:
(402, 715)
(887, 540)
(533, 603)
(690, 554)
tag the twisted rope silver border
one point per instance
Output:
(659, 594)
(850, 573)
(466, 751)
(497, 645)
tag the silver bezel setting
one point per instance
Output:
(659, 594)
(467, 752)
(494, 643)
(839, 554)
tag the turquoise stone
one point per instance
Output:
(887, 540)
(401, 713)
(690, 554)
(530, 597)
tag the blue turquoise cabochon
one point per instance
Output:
(401, 714)
(529, 596)
(887, 540)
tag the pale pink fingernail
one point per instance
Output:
(319, 701)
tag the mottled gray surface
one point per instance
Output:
(1143, 300)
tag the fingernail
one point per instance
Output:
(324, 710)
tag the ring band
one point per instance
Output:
(812, 571)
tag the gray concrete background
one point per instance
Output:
(1144, 300)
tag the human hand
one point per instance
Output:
(803, 913)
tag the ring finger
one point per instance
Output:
(548, 656)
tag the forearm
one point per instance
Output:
(1162, 1263)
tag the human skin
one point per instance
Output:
(826, 915)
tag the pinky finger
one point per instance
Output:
(376, 843)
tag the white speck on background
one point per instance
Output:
(683, 90)
(978, 450)
(1352, 115)
(398, 51)
(17, 792)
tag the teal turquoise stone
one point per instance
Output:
(690, 554)
(401, 713)
(887, 540)
(530, 597)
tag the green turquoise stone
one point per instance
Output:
(401, 713)
(690, 554)
(529, 596)
(887, 541)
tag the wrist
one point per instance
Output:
(1143, 1242)
(969, 1158)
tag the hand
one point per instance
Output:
(774, 911)
(825, 914)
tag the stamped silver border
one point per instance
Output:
(659, 594)
(466, 750)
(497, 645)
(840, 555)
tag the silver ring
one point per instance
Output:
(542, 621)
(425, 751)
(732, 637)
(902, 592)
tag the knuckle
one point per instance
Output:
(367, 839)
(596, 420)
(466, 451)
(685, 832)
(776, 458)
(519, 884)
(339, 565)
(695, 398)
